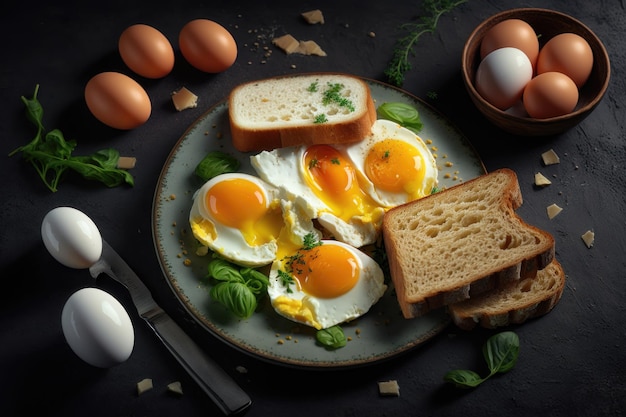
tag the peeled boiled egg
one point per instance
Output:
(502, 76)
(238, 216)
(207, 45)
(146, 51)
(330, 283)
(97, 327)
(550, 94)
(117, 100)
(567, 53)
(514, 33)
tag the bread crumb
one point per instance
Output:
(290, 45)
(313, 17)
(144, 385)
(126, 162)
(541, 180)
(588, 237)
(553, 210)
(184, 99)
(371, 34)
(550, 157)
(175, 388)
(241, 369)
(389, 388)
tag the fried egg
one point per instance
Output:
(238, 216)
(323, 183)
(394, 164)
(325, 285)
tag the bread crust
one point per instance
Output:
(247, 138)
(406, 274)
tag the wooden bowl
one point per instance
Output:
(547, 24)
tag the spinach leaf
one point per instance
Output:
(215, 163)
(236, 296)
(500, 352)
(405, 115)
(331, 338)
(51, 154)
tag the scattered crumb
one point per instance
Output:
(389, 388)
(541, 180)
(550, 157)
(371, 34)
(291, 45)
(202, 250)
(187, 262)
(241, 369)
(144, 385)
(126, 162)
(175, 388)
(184, 99)
(314, 17)
(588, 237)
(553, 210)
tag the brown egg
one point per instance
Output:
(567, 53)
(207, 45)
(514, 33)
(146, 51)
(550, 94)
(117, 100)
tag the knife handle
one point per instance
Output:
(217, 384)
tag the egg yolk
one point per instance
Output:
(326, 271)
(241, 204)
(396, 166)
(334, 180)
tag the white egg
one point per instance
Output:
(238, 216)
(395, 166)
(326, 285)
(97, 328)
(333, 198)
(71, 237)
(502, 76)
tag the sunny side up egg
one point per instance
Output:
(324, 285)
(348, 189)
(240, 217)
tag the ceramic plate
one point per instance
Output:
(380, 334)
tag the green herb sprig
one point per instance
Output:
(215, 163)
(400, 62)
(500, 352)
(51, 154)
(239, 289)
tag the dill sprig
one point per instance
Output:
(400, 62)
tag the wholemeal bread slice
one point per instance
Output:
(302, 109)
(449, 246)
(513, 304)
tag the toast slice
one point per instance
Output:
(303, 109)
(514, 304)
(463, 241)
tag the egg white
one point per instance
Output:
(322, 313)
(386, 129)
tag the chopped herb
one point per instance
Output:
(286, 280)
(320, 118)
(386, 155)
(332, 95)
(311, 241)
(335, 161)
(313, 87)
(432, 95)
(313, 163)
(435, 190)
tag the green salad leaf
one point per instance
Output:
(51, 154)
(500, 352)
(403, 114)
(215, 163)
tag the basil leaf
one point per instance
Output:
(255, 280)
(222, 270)
(463, 378)
(332, 337)
(404, 114)
(236, 297)
(501, 352)
(216, 163)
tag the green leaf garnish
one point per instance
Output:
(404, 114)
(331, 338)
(215, 163)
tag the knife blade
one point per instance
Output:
(215, 382)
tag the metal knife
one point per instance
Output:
(217, 384)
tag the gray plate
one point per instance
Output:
(380, 334)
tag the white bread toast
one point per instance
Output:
(462, 241)
(515, 303)
(301, 109)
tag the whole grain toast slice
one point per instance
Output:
(462, 241)
(515, 303)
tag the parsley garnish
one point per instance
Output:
(331, 95)
(335, 161)
(312, 88)
(386, 155)
(310, 241)
(320, 118)
(313, 163)
(286, 280)
(295, 262)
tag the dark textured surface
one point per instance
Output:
(572, 361)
